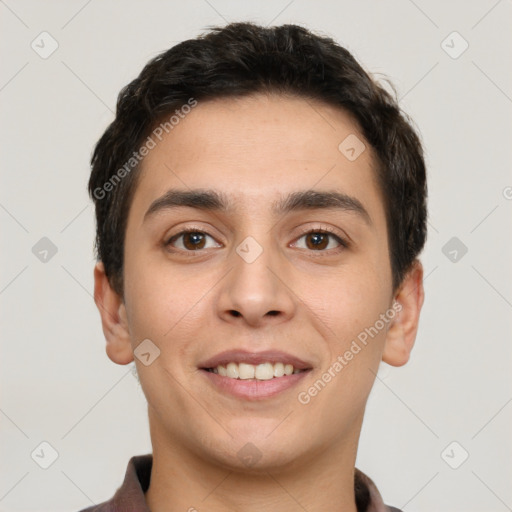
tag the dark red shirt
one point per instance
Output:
(130, 496)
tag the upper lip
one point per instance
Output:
(254, 358)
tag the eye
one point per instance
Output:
(191, 240)
(320, 240)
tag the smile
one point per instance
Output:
(264, 371)
(253, 389)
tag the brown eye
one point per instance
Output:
(190, 240)
(317, 240)
(320, 240)
(193, 241)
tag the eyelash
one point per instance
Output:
(343, 244)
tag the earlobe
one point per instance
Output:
(113, 318)
(402, 331)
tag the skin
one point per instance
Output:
(194, 305)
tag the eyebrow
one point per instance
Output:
(212, 200)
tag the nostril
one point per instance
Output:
(236, 313)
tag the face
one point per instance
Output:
(286, 260)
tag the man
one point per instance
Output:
(260, 206)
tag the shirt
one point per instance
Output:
(130, 496)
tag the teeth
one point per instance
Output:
(232, 371)
(278, 370)
(247, 371)
(264, 371)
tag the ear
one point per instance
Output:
(402, 331)
(113, 318)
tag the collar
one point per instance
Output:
(130, 496)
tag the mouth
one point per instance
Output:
(263, 371)
(254, 376)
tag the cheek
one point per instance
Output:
(149, 297)
(165, 304)
(350, 316)
(351, 298)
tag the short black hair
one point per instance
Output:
(238, 60)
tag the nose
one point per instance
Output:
(256, 292)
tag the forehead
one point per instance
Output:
(257, 147)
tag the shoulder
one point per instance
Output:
(368, 497)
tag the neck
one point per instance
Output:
(182, 480)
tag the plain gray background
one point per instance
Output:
(57, 384)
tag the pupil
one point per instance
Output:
(318, 239)
(194, 239)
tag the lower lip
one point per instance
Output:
(253, 389)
